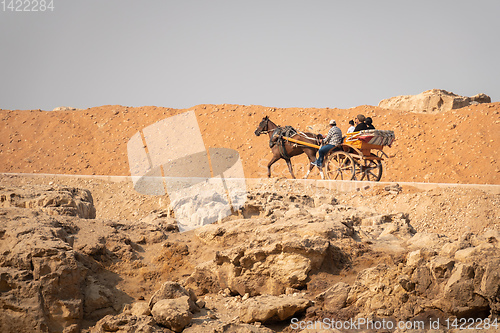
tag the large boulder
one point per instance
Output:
(269, 308)
(172, 290)
(459, 296)
(432, 101)
(173, 313)
(126, 322)
(490, 285)
(335, 297)
(219, 326)
(172, 306)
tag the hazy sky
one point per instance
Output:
(275, 53)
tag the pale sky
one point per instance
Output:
(180, 54)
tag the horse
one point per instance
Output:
(289, 149)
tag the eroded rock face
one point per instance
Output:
(268, 255)
(426, 283)
(52, 266)
(432, 101)
(291, 238)
(269, 270)
(264, 265)
(54, 200)
(41, 277)
(64, 108)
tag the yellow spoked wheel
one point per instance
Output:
(340, 166)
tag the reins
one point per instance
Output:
(300, 133)
(306, 136)
(315, 139)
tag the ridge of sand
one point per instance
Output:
(457, 146)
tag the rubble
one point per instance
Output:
(288, 253)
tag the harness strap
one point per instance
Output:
(281, 145)
(307, 136)
(316, 139)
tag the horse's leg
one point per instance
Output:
(325, 159)
(289, 163)
(273, 160)
(309, 171)
(311, 158)
(321, 172)
(311, 166)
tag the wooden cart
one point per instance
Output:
(361, 156)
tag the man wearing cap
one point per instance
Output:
(332, 141)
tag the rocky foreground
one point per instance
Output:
(292, 256)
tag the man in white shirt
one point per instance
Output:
(351, 128)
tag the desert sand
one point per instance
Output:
(457, 146)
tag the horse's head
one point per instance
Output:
(263, 126)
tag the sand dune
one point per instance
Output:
(457, 146)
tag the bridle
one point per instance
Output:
(265, 131)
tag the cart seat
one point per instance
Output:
(373, 137)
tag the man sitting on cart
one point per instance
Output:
(360, 123)
(333, 140)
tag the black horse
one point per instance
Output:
(288, 149)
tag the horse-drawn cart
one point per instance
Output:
(354, 161)
(360, 158)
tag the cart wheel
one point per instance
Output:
(370, 170)
(381, 154)
(340, 166)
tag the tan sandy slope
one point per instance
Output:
(457, 146)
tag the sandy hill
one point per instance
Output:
(457, 146)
